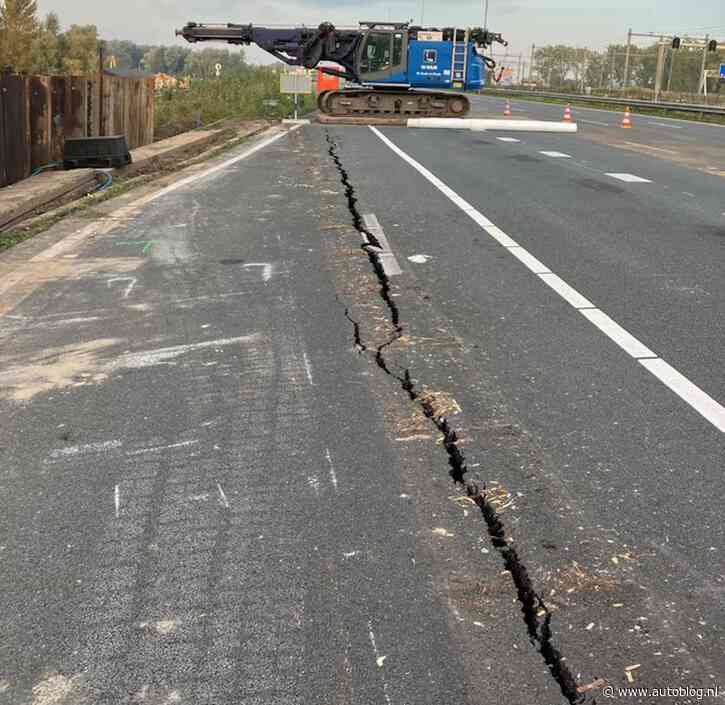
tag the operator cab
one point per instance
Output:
(383, 54)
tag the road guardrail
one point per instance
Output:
(681, 107)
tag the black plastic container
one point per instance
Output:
(95, 152)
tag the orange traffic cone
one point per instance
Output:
(507, 110)
(567, 113)
(626, 121)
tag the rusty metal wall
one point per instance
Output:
(37, 113)
(14, 129)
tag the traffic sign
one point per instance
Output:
(722, 71)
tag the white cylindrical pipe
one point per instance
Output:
(483, 124)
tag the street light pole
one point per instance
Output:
(484, 7)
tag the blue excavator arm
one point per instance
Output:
(307, 46)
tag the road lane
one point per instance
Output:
(208, 496)
(650, 260)
(624, 457)
(701, 145)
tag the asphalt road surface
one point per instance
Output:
(390, 416)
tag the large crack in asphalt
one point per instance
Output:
(536, 615)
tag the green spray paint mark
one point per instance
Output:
(147, 244)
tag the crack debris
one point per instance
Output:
(536, 614)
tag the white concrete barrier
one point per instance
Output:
(484, 124)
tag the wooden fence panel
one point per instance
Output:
(16, 129)
(40, 120)
(75, 125)
(37, 113)
(60, 87)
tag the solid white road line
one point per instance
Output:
(611, 328)
(529, 260)
(680, 385)
(102, 227)
(705, 405)
(566, 292)
(556, 155)
(630, 178)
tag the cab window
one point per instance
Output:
(376, 53)
(397, 49)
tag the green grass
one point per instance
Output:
(575, 100)
(242, 95)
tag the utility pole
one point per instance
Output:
(531, 63)
(611, 68)
(100, 88)
(626, 58)
(669, 74)
(703, 79)
(484, 3)
(660, 69)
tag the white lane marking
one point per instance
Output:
(481, 219)
(595, 122)
(556, 155)
(222, 496)
(663, 124)
(387, 258)
(526, 258)
(508, 139)
(378, 660)
(690, 392)
(333, 475)
(500, 236)
(117, 499)
(266, 269)
(155, 449)
(128, 289)
(619, 335)
(566, 292)
(219, 167)
(630, 178)
(308, 369)
(101, 227)
(705, 405)
(314, 483)
(420, 259)
(148, 358)
(87, 448)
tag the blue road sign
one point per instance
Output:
(722, 70)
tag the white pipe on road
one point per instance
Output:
(482, 124)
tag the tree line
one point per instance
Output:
(30, 44)
(571, 68)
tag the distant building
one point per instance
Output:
(164, 80)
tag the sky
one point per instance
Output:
(588, 23)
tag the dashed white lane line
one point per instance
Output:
(508, 139)
(308, 369)
(663, 124)
(689, 392)
(556, 155)
(387, 258)
(594, 122)
(630, 178)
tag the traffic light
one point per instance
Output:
(676, 43)
(712, 45)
